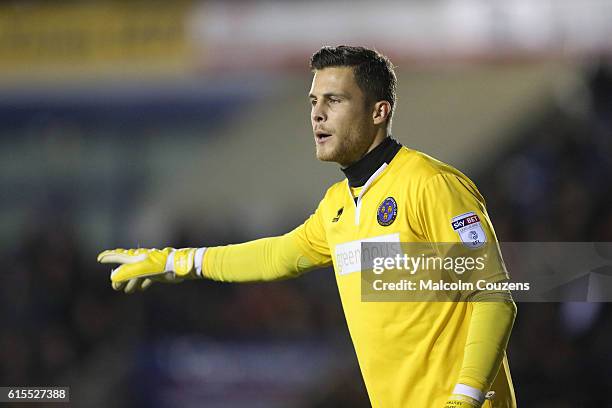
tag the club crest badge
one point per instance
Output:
(470, 230)
(387, 212)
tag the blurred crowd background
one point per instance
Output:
(187, 124)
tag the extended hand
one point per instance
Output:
(139, 268)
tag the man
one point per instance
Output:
(411, 354)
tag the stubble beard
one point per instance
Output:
(344, 151)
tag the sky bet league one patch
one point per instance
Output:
(387, 212)
(469, 229)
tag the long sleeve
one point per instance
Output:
(264, 259)
(445, 197)
(488, 334)
(273, 258)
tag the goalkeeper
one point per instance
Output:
(411, 354)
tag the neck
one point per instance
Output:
(381, 152)
(379, 137)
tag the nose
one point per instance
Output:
(318, 114)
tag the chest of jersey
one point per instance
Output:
(381, 212)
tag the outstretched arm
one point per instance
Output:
(264, 259)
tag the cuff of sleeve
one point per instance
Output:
(470, 392)
(169, 262)
(199, 258)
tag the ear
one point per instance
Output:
(382, 109)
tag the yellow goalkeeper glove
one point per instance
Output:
(139, 268)
(462, 401)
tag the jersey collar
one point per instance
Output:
(359, 172)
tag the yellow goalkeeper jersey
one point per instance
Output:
(410, 353)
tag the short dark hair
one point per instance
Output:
(373, 71)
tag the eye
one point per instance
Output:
(334, 100)
(313, 102)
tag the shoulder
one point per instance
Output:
(421, 165)
(336, 192)
(419, 169)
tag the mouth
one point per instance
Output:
(321, 137)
